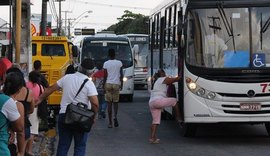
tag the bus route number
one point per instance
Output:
(265, 87)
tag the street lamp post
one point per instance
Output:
(72, 24)
(76, 20)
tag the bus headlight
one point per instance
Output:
(149, 79)
(198, 90)
(192, 86)
(125, 78)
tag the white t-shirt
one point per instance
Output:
(70, 84)
(10, 109)
(113, 69)
(159, 89)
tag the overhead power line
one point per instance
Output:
(53, 10)
(111, 5)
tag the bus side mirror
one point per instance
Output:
(74, 51)
(136, 49)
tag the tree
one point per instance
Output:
(130, 23)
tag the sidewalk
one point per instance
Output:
(46, 144)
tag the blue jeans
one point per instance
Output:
(65, 138)
(102, 103)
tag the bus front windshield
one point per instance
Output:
(98, 51)
(229, 38)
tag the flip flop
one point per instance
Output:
(154, 141)
(109, 126)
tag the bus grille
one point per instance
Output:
(242, 95)
(247, 112)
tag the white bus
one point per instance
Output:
(221, 51)
(96, 47)
(140, 46)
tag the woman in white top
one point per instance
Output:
(159, 101)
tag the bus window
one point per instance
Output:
(98, 52)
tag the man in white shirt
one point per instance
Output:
(113, 79)
(70, 84)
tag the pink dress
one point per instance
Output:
(159, 100)
(33, 117)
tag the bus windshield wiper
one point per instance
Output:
(228, 26)
(264, 28)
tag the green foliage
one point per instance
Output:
(130, 23)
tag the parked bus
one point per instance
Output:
(96, 47)
(140, 46)
(220, 50)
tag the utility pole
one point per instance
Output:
(60, 19)
(66, 20)
(18, 30)
(43, 18)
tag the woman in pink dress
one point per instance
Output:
(34, 85)
(159, 100)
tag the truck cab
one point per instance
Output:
(56, 53)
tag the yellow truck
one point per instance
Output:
(56, 53)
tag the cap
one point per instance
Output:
(88, 64)
(5, 64)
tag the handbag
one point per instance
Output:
(42, 113)
(78, 116)
(42, 110)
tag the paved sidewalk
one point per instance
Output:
(46, 144)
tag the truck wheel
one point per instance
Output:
(188, 129)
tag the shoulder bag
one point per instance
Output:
(78, 116)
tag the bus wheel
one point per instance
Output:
(267, 127)
(188, 129)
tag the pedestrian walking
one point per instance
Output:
(34, 85)
(98, 79)
(113, 80)
(70, 69)
(159, 100)
(37, 67)
(70, 84)
(14, 86)
(11, 112)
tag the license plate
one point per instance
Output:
(250, 106)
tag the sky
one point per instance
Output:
(104, 12)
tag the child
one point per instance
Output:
(98, 78)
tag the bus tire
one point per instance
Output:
(188, 129)
(267, 127)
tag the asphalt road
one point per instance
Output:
(131, 137)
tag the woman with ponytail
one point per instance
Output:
(15, 87)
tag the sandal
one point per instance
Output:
(110, 126)
(154, 141)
